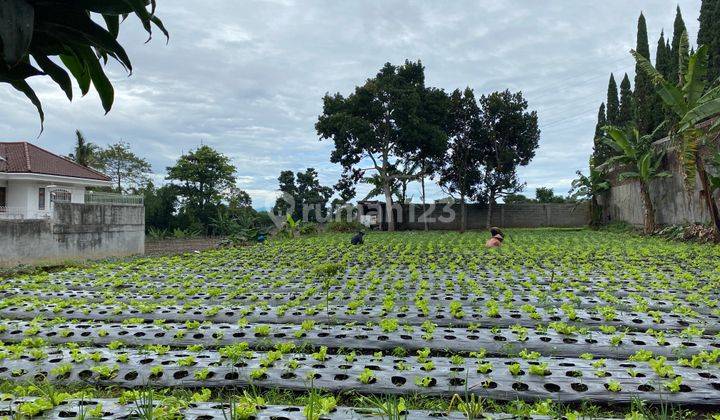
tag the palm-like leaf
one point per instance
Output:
(66, 29)
(696, 71)
(688, 103)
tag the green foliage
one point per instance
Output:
(201, 179)
(67, 31)
(643, 97)
(612, 105)
(127, 170)
(359, 125)
(469, 145)
(514, 135)
(625, 114)
(634, 153)
(708, 34)
(692, 101)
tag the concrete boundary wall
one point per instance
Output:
(674, 204)
(75, 232)
(520, 215)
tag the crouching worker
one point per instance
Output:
(358, 239)
(496, 240)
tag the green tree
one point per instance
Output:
(663, 57)
(643, 97)
(547, 195)
(678, 31)
(286, 203)
(468, 148)
(513, 134)
(86, 153)
(612, 105)
(691, 106)
(127, 170)
(709, 34)
(516, 198)
(590, 187)
(635, 155)
(304, 198)
(67, 30)
(160, 206)
(383, 122)
(598, 147)
(313, 197)
(202, 179)
(625, 116)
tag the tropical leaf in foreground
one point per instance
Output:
(63, 39)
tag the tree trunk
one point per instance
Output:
(422, 186)
(595, 215)
(709, 201)
(463, 214)
(648, 208)
(489, 211)
(389, 206)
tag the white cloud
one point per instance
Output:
(248, 77)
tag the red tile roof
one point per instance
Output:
(23, 157)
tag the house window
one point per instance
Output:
(41, 199)
(60, 196)
(2, 199)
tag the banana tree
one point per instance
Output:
(694, 110)
(589, 187)
(639, 161)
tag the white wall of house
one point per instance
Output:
(23, 195)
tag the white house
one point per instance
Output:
(32, 179)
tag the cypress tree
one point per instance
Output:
(664, 66)
(625, 116)
(601, 151)
(709, 34)
(602, 121)
(612, 109)
(644, 96)
(662, 57)
(678, 29)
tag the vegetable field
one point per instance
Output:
(556, 323)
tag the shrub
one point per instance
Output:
(345, 226)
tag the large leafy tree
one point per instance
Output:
(286, 203)
(709, 35)
(202, 178)
(547, 195)
(691, 107)
(382, 123)
(160, 206)
(304, 198)
(514, 135)
(312, 195)
(64, 36)
(127, 170)
(467, 150)
(85, 153)
(635, 156)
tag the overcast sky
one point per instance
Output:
(247, 77)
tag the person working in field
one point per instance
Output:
(496, 240)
